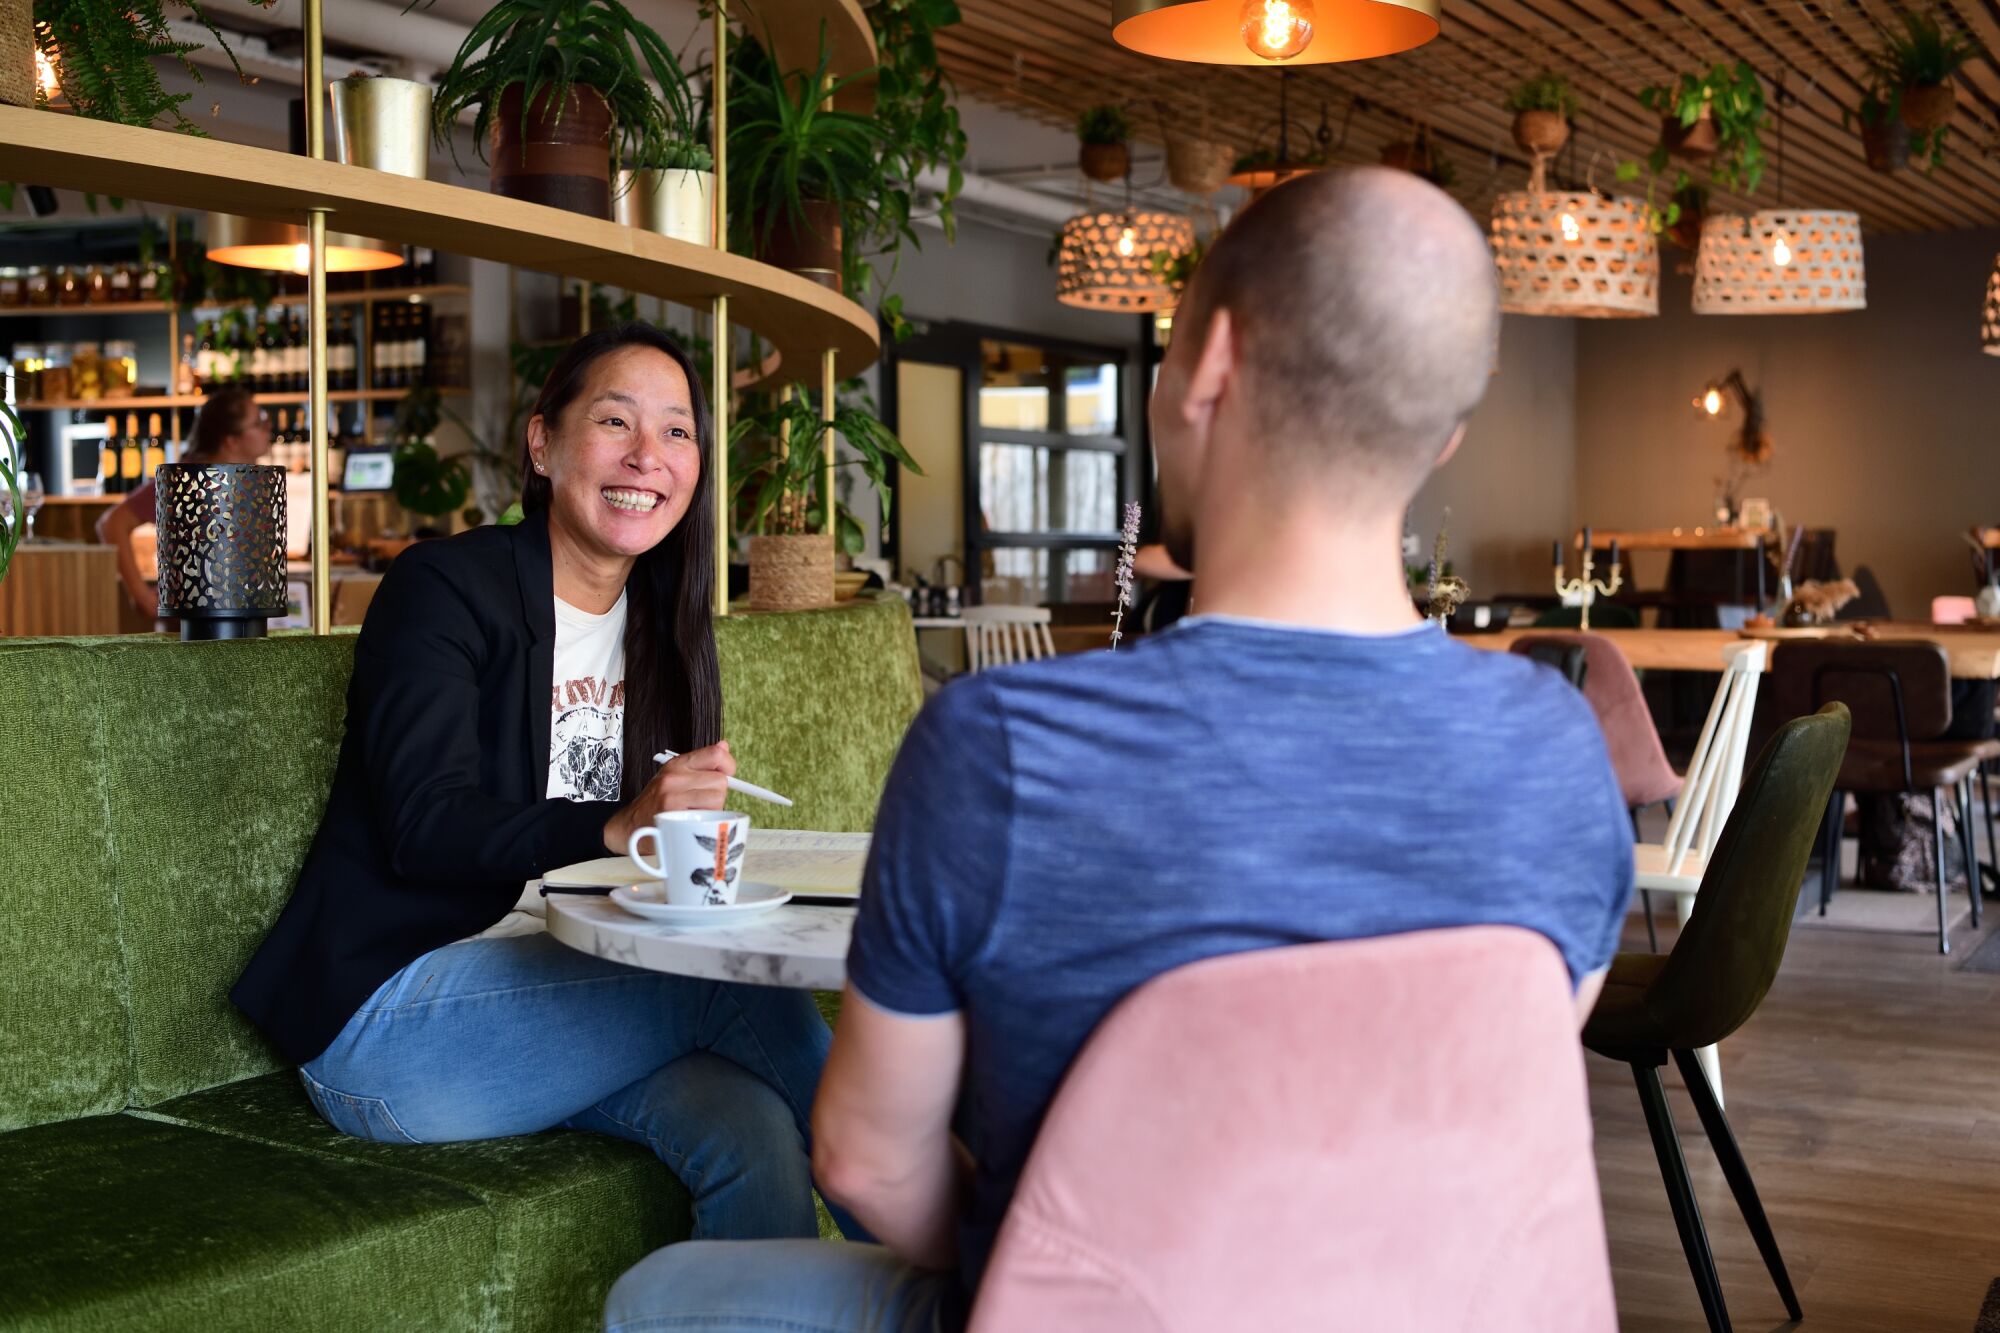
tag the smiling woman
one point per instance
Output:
(509, 685)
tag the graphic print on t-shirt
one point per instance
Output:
(586, 732)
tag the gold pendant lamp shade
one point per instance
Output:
(1989, 317)
(1804, 261)
(1266, 32)
(257, 243)
(1106, 261)
(1575, 253)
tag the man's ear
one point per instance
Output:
(1457, 438)
(1214, 368)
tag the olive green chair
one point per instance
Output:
(1717, 974)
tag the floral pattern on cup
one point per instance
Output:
(718, 883)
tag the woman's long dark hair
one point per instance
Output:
(673, 687)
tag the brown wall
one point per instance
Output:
(1512, 484)
(1883, 419)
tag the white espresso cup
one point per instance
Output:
(701, 855)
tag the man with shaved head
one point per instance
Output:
(1306, 759)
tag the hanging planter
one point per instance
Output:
(1542, 109)
(1918, 64)
(1690, 204)
(1885, 136)
(1102, 151)
(1198, 166)
(1420, 157)
(1692, 143)
(1927, 107)
(17, 52)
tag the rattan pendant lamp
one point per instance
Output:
(1989, 316)
(1574, 253)
(1265, 32)
(1780, 261)
(1106, 259)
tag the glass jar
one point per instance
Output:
(28, 360)
(96, 284)
(69, 285)
(41, 288)
(86, 375)
(118, 368)
(55, 372)
(124, 282)
(13, 287)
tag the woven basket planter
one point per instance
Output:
(1929, 108)
(1735, 273)
(1575, 254)
(17, 52)
(1199, 166)
(792, 573)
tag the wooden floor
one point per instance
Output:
(1866, 1097)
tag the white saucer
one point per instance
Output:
(643, 899)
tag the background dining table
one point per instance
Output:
(1973, 650)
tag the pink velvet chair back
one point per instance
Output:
(1644, 775)
(1371, 1134)
(1953, 610)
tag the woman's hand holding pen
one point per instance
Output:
(697, 780)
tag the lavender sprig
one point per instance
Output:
(1128, 549)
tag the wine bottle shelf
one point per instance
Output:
(436, 291)
(159, 401)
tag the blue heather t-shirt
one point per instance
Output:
(1054, 835)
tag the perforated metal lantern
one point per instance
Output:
(1575, 253)
(221, 547)
(1989, 317)
(1106, 260)
(1803, 261)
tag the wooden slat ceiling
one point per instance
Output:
(1054, 58)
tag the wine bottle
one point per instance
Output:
(420, 337)
(107, 466)
(156, 445)
(131, 454)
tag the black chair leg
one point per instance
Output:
(1646, 905)
(1737, 1172)
(1937, 853)
(1965, 842)
(1986, 799)
(1829, 866)
(1680, 1195)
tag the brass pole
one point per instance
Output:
(322, 516)
(829, 384)
(718, 98)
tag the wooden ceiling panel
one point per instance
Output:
(1052, 59)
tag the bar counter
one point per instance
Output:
(60, 588)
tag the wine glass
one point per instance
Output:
(32, 496)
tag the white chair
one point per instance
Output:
(1714, 773)
(1001, 635)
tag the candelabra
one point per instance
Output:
(1586, 589)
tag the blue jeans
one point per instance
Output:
(782, 1286)
(487, 1038)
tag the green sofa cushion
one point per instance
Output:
(218, 760)
(815, 704)
(114, 1222)
(572, 1210)
(62, 1004)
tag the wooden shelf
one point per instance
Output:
(796, 314)
(161, 307)
(158, 401)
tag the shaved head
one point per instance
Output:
(1363, 311)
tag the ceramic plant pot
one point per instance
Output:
(560, 156)
(671, 201)
(382, 124)
(807, 245)
(1696, 142)
(1541, 132)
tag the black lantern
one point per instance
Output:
(221, 548)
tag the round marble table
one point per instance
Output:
(804, 948)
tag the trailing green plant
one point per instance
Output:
(1176, 267)
(1734, 98)
(428, 485)
(1547, 91)
(777, 464)
(103, 52)
(551, 47)
(1924, 55)
(1103, 125)
(915, 102)
(14, 518)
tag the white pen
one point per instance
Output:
(735, 784)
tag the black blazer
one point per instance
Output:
(438, 811)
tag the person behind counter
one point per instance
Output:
(231, 428)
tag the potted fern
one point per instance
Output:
(778, 472)
(559, 87)
(103, 53)
(1718, 114)
(1543, 108)
(1102, 152)
(1918, 66)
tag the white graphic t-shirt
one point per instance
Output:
(586, 730)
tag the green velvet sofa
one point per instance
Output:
(159, 1168)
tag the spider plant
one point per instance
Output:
(550, 48)
(788, 145)
(778, 464)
